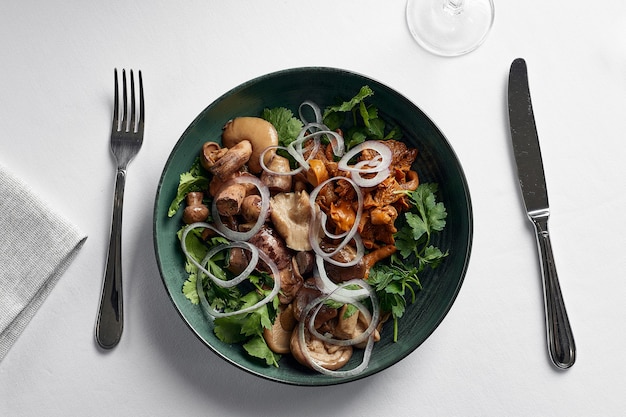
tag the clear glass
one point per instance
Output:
(450, 27)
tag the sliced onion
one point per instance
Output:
(282, 174)
(235, 235)
(369, 333)
(275, 289)
(326, 285)
(254, 260)
(345, 295)
(379, 164)
(318, 221)
(297, 151)
(316, 111)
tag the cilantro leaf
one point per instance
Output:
(193, 180)
(349, 105)
(189, 289)
(398, 281)
(287, 126)
(258, 348)
(364, 123)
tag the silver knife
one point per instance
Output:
(533, 185)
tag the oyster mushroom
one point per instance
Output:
(291, 216)
(278, 337)
(324, 354)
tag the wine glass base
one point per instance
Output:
(442, 30)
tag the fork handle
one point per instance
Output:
(110, 322)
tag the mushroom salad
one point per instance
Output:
(303, 238)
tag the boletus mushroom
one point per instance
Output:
(259, 132)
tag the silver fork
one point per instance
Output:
(126, 140)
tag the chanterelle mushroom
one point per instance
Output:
(291, 215)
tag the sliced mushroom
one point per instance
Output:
(251, 208)
(290, 283)
(291, 215)
(361, 269)
(305, 295)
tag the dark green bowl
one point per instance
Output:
(436, 162)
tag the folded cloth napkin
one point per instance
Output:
(36, 247)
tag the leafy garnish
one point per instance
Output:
(287, 126)
(196, 179)
(395, 281)
(248, 327)
(346, 106)
(362, 120)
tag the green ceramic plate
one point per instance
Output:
(436, 162)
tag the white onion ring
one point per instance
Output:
(316, 111)
(256, 254)
(318, 220)
(235, 235)
(379, 164)
(349, 297)
(200, 265)
(326, 285)
(281, 174)
(244, 274)
(211, 311)
(370, 337)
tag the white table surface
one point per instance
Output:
(488, 357)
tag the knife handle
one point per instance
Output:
(560, 338)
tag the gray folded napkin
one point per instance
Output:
(36, 247)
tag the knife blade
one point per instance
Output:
(527, 152)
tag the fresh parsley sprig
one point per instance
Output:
(399, 279)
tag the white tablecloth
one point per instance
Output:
(488, 357)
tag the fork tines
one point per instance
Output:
(129, 122)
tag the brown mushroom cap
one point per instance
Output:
(259, 132)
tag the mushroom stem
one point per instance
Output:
(228, 200)
(232, 161)
(259, 132)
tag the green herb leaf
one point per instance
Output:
(397, 282)
(349, 105)
(287, 126)
(258, 348)
(195, 179)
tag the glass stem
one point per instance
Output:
(453, 6)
